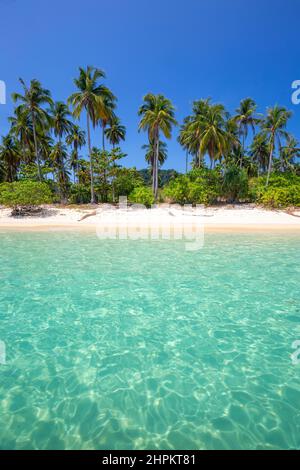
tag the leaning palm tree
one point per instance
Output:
(33, 99)
(10, 157)
(89, 98)
(273, 127)
(115, 132)
(157, 115)
(76, 138)
(246, 118)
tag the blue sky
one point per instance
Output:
(226, 49)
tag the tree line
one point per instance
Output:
(45, 141)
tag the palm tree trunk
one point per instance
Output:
(270, 160)
(103, 136)
(243, 151)
(93, 200)
(36, 147)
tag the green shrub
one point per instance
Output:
(235, 184)
(200, 186)
(142, 195)
(283, 190)
(80, 194)
(25, 193)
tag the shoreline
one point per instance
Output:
(210, 219)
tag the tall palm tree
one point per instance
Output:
(273, 127)
(22, 129)
(10, 157)
(59, 118)
(211, 132)
(157, 115)
(150, 153)
(246, 118)
(89, 98)
(76, 138)
(115, 132)
(260, 151)
(106, 111)
(32, 100)
(58, 156)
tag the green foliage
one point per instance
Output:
(200, 186)
(79, 194)
(25, 193)
(235, 184)
(125, 181)
(283, 190)
(142, 195)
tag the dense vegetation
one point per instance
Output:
(46, 157)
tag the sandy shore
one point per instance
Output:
(229, 218)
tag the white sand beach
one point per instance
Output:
(223, 218)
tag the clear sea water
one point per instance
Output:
(143, 345)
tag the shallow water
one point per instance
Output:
(134, 344)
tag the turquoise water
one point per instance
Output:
(131, 344)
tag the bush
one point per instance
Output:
(142, 195)
(25, 193)
(200, 186)
(80, 194)
(283, 190)
(235, 184)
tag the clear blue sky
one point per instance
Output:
(185, 49)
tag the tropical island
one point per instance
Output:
(48, 156)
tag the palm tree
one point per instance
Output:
(115, 132)
(260, 151)
(33, 98)
(150, 153)
(106, 111)
(289, 153)
(273, 128)
(21, 128)
(89, 98)
(76, 138)
(157, 115)
(211, 132)
(246, 118)
(10, 157)
(59, 118)
(58, 156)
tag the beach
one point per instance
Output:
(224, 218)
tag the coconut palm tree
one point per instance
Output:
(58, 157)
(89, 98)
(273, 127)
(33, 99)
(115, 132)
(10, 157)
(59, 119)
(289, 153)
(157, 115)
(21, 128)
(150, 153)
(260, 151)
(246, 118)
(76, 138)
(106, 111)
